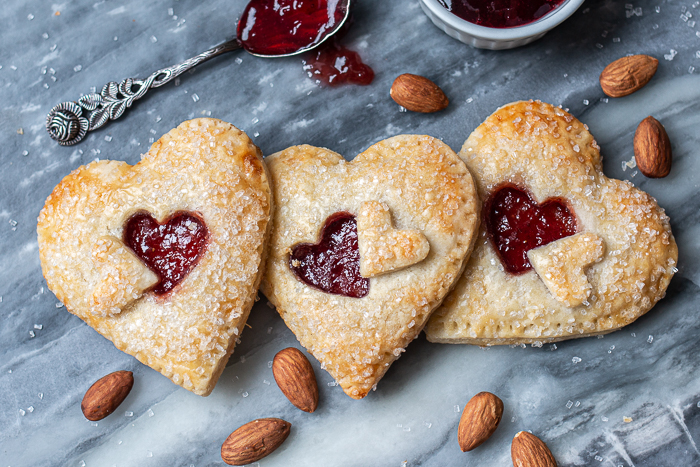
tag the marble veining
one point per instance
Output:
(575, 395)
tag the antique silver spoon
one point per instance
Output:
(68, 126)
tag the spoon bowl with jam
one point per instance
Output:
(267, 28)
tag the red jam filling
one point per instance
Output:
(333, 65)
(517, 224)
(170, 249)
(332, 264)
(280, 27)
(500, 13)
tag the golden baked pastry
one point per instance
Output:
(362, 252)
(196, 209)
(612, 252)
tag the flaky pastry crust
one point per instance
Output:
(425, 187)
(204, 166)
(552, 154)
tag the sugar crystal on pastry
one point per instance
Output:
(206, 167)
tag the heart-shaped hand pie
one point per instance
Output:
(414, 206)
(530, 279)
(164, 258)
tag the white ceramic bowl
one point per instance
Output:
(496, 38)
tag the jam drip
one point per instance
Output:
(333, 65)
(517, 224)
(280, 27)
(332, 264)
(500, 13)
(170, 249)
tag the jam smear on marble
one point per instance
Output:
(334, 65)
(332, 264)
(516, 224)
(280, 27)
(170, 249)
(500, 13)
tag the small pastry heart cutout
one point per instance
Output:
(164, 258)
(417, 204)
(383, 248)
(169, 249)
(332, 264)
(517, 224)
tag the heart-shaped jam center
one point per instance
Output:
(332, 264)
(170, 249)
(517, 224)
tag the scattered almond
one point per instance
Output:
(528, 450)
(652, 148)
(106, 394)
(479, 420)
(296, 378)
(418, 94)
(254, 440)
(627, 75)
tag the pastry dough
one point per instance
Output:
(383, 248)
(561, 266)
(426, 188)
(550, 153)
(206, 167)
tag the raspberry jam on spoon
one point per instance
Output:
(268, 28)
(284, 27)
(288, 27)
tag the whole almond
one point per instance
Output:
(106, 394)
(479, 420)
(418, 94)
(652, 148)
(254, 440)
(528, 450)
(296, 378)
(627, 75)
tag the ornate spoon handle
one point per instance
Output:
(66, 124)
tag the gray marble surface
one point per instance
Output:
(647, 371)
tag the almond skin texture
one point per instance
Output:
(254, 440)
(652, 148)
(296, 378)
(106, 394)
(418, 94)
(528, 450)
(627, 75)
(479, 420)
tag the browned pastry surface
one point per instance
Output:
(628, 260)
(427, 190)
(204, 166)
